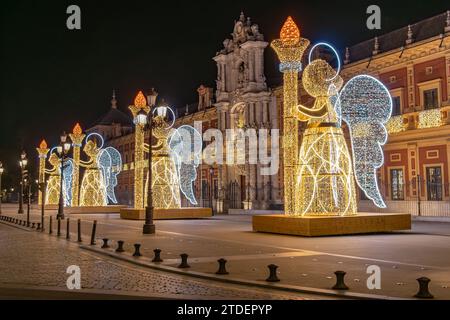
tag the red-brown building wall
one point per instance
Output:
(390, 162)
(401, 81)
(441, 159)
(438, 72)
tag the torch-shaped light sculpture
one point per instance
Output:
(290, 48)
(77, 137)
(42, 151)
(140, 111)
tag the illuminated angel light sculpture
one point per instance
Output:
(100, 176)
(175, 159)
(325, 178)
(165, 176)
(110, 162)
(186, 151)
(54, 180)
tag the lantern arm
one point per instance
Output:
(303, 113)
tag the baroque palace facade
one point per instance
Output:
(413, 62)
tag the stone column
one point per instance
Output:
(273, 119)
(259, 64)
(447, 72)
(251, 64)
(223, 77)
(447, 183)
(411, 86)
(266, 179)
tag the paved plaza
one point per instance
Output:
(303, 262)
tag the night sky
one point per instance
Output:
(52, 77)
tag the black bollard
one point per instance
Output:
(340, 284)
(184, 261)
(137, 250)
(79, 230)
(59, 227)
(50, 225)
(424, 292)
(38, 226)
(94, 228)
(120, 246)
(68, 229)
(222, 269)
(33, 225)
(105, 243)
(272, 273)
(157, 257)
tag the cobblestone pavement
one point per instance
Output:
(30, 259)
(303, 262)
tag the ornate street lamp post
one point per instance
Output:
(28, 186)
(149, 226)
(63, 149)
(23, 164)
(1, 193)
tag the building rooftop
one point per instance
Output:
(399, 38)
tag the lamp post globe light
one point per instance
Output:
(149, 226)
(22, 164)
(62, 149)
(1, 193)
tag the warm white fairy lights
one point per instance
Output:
(165, 176)
(395, 124)
(430, 119)
(290, 48)
(93, 189)
(54, 180)
(325, 184)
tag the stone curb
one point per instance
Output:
(282, 287)
(13, 225)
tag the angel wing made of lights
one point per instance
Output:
(109, 161)
(365, 104)
(185, 146)
(67, 181)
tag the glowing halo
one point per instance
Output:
(335, 52)
(96, 134)
(173, 116)
(52, 149)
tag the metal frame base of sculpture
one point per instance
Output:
(317, 226)
(167, 214)
(92, 210)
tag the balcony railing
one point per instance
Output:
(419, 120)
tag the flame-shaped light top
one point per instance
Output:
(77, 129)
(290, 33)
(140, 101)
(43, 145)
